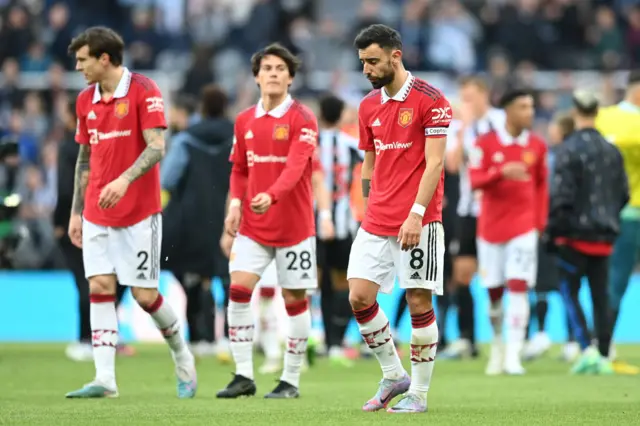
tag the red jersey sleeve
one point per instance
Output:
(365, 142)
(82, 134)
(542, 189)
(240, 168)
(151, 107)
(303, 147)
(481, 173)
(436, 118)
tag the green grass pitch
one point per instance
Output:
(34, 379)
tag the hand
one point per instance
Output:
(75, 230)
(232, 221)
(113, 193)
(409, 236)
(515, 171)
(466, 113)
(327, 230)
(225, 244)
(261, 203)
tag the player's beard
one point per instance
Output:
(387, 77)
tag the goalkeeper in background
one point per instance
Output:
(620, 124)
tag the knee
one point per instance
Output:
(102, 284)
(292, 297)
(463, 271)
(361, 294)
(419, 300)
(145, 297)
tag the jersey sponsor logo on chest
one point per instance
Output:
(381, 146)
(253, 159)
(95, 136)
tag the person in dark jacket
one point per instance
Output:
(195, 179)
(67, 156)
(589, 189)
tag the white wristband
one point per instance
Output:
(235, 202)
(325, 214)
(418, 209)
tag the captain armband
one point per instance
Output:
(366, 187)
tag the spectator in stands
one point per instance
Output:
(607, 40)
(10, 95)
(16, 34)
(633, 36)
(58, 34)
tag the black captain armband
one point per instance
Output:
(366, 187)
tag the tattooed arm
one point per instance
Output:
(81, 179)
(152, 154)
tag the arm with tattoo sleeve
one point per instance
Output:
(152, 154)
(81, 179)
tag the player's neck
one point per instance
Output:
(110, 81)
(484, 109)
(270, 102)
(397, 83)
(514, 131)
(633, 99)
(584, 122)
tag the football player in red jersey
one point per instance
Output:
(509, 166)
(115, 215)
(271, 215)
(403, 129)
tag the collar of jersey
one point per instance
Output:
(507, 139)
(121, 90)
(627, 106)
(402, 94)
(277, 112)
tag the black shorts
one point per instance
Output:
(466, 236)
(547, 277)
(334, 254)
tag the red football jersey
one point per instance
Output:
(509, 208)
(114, 131)
(273, 153)
(396, 128)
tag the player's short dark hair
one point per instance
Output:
(382, 35)
(213, 101)
(275, 49)
(634, 77)
(331, 108)
(585, 102)
(475, 80)
(512, 95)
(100, 40)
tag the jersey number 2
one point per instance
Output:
(144, 256)
(304, 263)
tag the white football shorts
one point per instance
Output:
(269, 278)
(296, 267)
(132, 253)
(516, 259)
(380, 259)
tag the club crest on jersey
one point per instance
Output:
(121, 109)
(405, 116)
(528, 157)
(281, 132)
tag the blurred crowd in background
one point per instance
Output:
(206, 41)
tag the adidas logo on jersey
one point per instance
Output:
(376, 123)
(141, 276)
(305, 276)
(92, 116)
(415, 276)
(248, 135)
